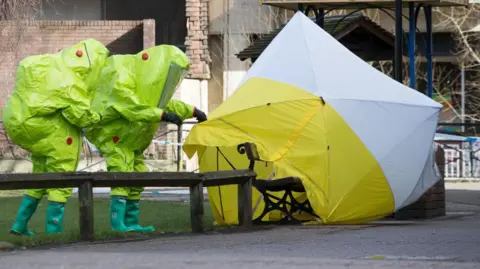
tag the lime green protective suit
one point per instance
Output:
(44, 115)
(134, 92)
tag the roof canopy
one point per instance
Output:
(356, 32)
(363, 37)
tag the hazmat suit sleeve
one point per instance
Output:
(132, 110)
(78, 112)
(183, 110)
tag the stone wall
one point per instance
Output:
(196, 40)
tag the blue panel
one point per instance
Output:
(411, 44)
(428, 50)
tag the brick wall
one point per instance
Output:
(196, 40)
(148, 33)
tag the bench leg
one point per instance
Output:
(287, 208)
(85, 199)
(302, 207)
(245, 212)
(196, 208)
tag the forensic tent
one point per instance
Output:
(357, 139)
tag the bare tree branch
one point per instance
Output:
(462, 21)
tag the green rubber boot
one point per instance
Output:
(117, 214)
(25, 212)
(131, 218)
(55, 213)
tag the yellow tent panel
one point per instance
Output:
(292, 137)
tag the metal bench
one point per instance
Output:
(270, 190)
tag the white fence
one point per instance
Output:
(462, 161)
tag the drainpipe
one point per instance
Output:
(226, 49)
(462, 95)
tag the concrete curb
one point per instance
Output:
(137, 238)
(6, 246)
(140, 238)
(455, 215)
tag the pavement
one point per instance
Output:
(448, 242)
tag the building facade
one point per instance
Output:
(233, 25)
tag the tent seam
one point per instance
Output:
(423, 184)
(310, 56)
(387, 102)
(313, 98)
(433, 141)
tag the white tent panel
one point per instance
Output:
(286, 59)
(430, 176)
(306, 56)
(393, 122)
(361, 81)
(404, 164)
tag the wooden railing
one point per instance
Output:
(87, 181)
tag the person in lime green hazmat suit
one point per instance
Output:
(133, 96)
(45, 114)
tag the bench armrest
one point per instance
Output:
(252, 153)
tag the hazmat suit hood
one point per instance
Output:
(53, 92)
(162, 74)
(89, 61)
(139, 87)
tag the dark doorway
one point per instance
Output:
(169, 16)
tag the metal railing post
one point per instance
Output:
(179, 148)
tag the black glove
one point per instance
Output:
(200, 115)
(172, 118)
